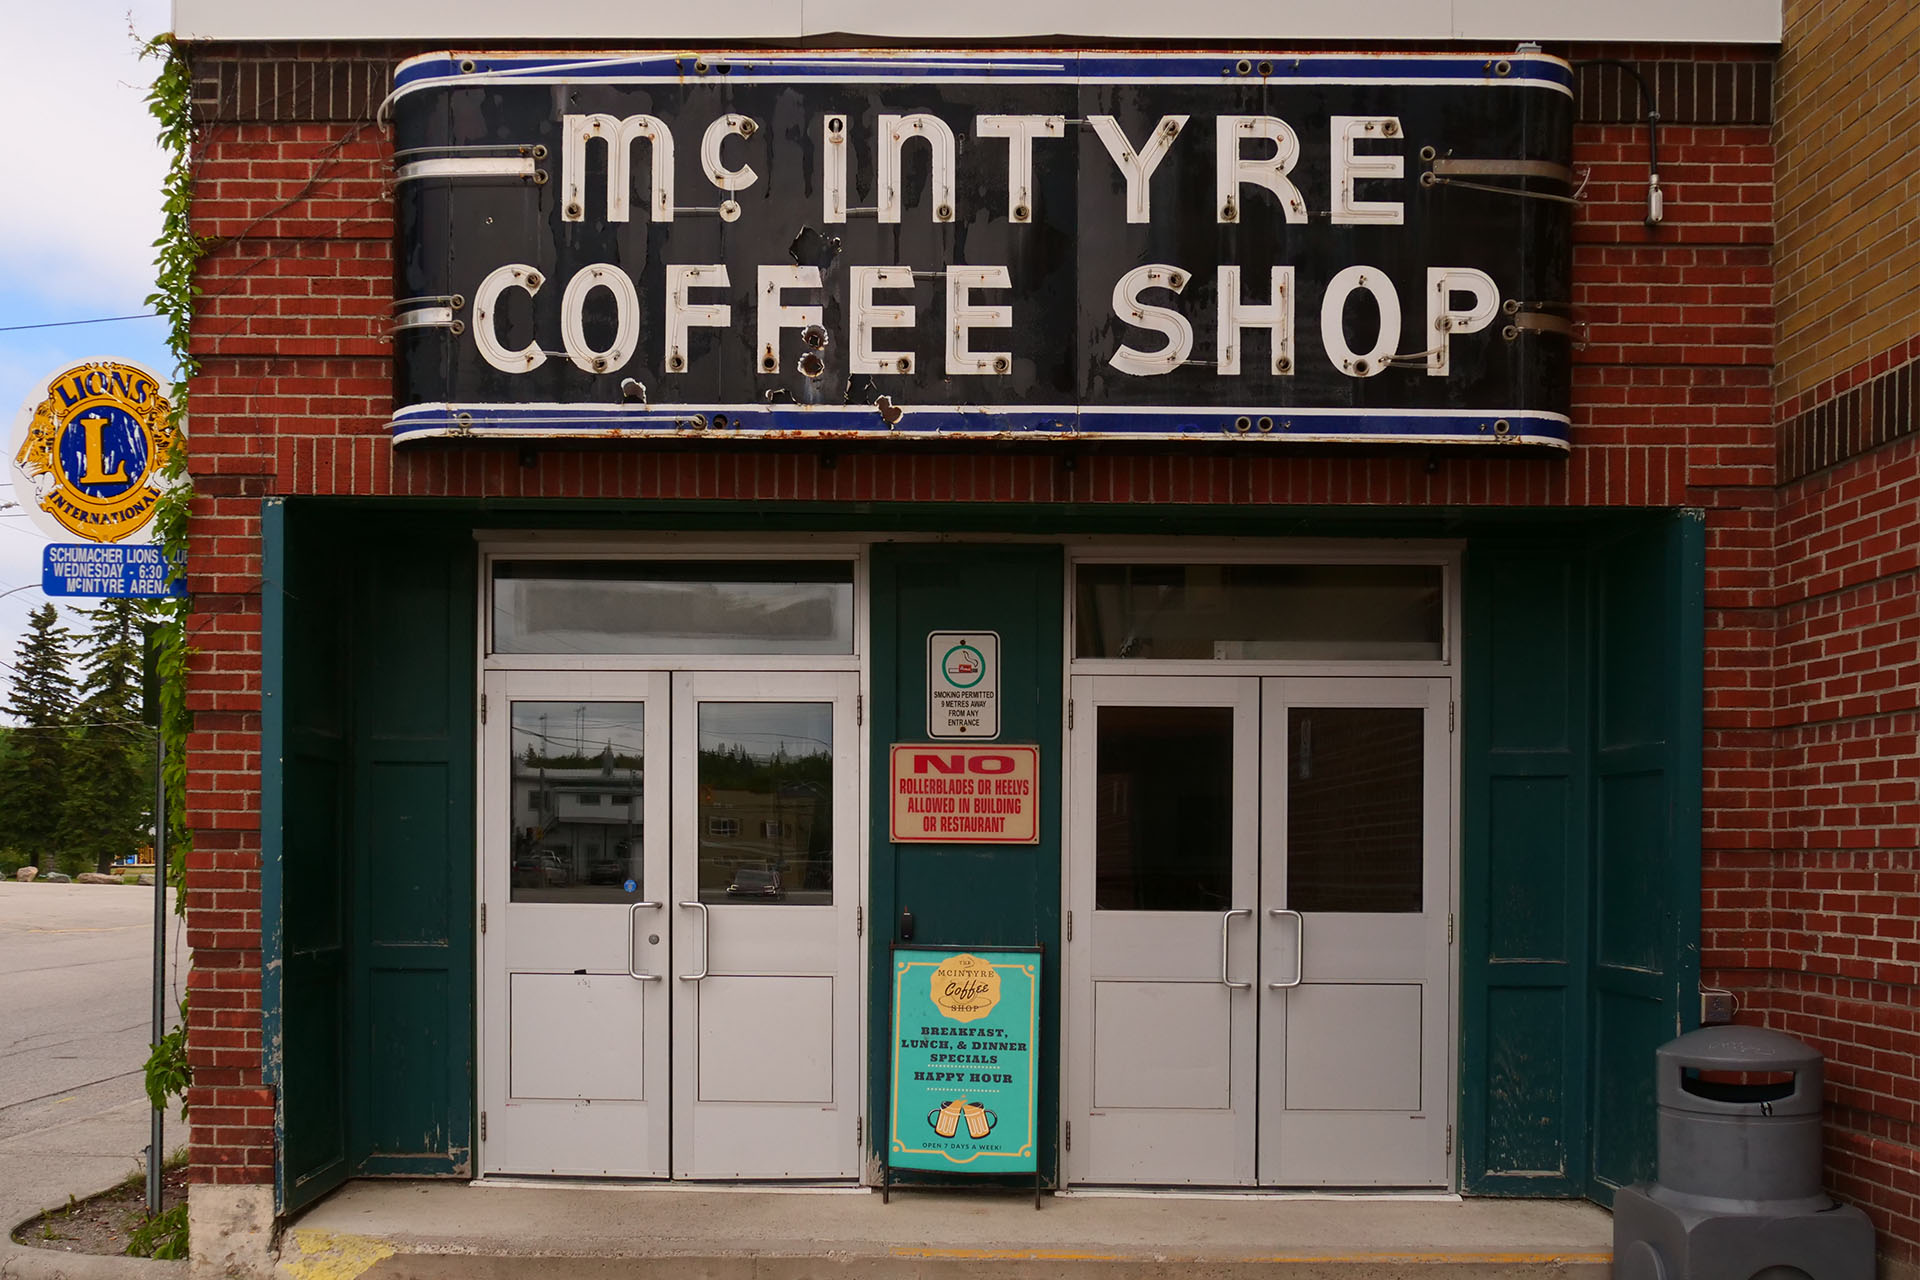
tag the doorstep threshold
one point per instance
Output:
(725, 1231)
(559, 1182)
(1364, 1195)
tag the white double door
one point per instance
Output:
(670, 958)
(1259, 883)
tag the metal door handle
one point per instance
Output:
(632, 918)
(1299, 948)
(1226, 920)
(706, 936)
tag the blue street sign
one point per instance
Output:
(107, 569)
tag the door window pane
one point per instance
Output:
(624, 606)
(578, 774)
(1247, 612)
(765, 802)
(1354, 819)
(1164, 795)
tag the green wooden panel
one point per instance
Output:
(410, 856)
(1524, 869)
(1580, 875)
(414, 713)
(1649, 593)
(305, 875)
(969, 894)
(1627, 1027)
(1528, 1059)
(316, 866)
(314, 1156)
(403, 692)
(1535, 860)
(313, 1034)
(1634, 588)
(1529, 654)
(407, 1021)
(1630, 853)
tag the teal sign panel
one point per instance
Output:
(966, 1030)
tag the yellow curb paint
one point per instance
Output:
(330, 1255)
(1061, 1255)
(1561, 1258)
(1010, 1255)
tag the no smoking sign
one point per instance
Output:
(963, 684)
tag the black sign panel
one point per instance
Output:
(1328, 247)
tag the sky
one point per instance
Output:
(77, 225)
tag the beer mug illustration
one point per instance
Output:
(979, 1119)
(947, 1119)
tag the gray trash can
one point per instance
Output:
(1738, 1188)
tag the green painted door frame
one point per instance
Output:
(367, 881)
(1582, 679)
(1580, 885)
(969, 895)
(303, 866)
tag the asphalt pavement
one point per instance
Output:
(76, 971)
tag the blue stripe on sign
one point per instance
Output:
(935, 65)
(864, 423)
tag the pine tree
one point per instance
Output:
(33, 775)
(110, 754)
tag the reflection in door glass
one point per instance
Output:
(1164, 828)
(764, 816)
(1353, 808)
(576, 782)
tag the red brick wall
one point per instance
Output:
(1673, 406)
(1842, 889)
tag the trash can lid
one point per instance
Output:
(1795, 1068)
(1739, 1049)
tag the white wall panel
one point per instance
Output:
(1706, 21)
(1274, 22)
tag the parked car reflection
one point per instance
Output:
(541, 869)
(755, 880)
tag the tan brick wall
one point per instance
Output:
(1848, 186)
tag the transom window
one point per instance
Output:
(663, 606)
(1260, 612)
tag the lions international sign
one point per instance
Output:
(89, 448)
(1266, 248)
(89, 453)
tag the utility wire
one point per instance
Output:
(62, 324)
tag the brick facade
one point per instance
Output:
(1689, 353)
(1848, 180)
(1842, 884)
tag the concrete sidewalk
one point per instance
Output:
(79, 1158)
(437, 1229)
(74, 1031)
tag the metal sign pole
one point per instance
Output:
(156, 1150)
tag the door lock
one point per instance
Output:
(906, 925)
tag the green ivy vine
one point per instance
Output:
(177, 254)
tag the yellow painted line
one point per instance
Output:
(1011, 1255)
(306, 1254)
(1065, 1255)
(1433, 1257)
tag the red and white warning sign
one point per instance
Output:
(944, 794)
